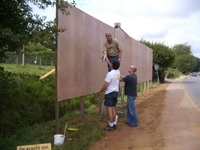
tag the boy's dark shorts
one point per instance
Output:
(111, 99)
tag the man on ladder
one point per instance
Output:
(112, 50)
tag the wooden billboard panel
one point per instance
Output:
(80, 70)
(70, 58)
(127, 55)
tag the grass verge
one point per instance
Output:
(88, 131)
(29, 69)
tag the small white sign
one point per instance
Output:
(156, 66)
(46, 146)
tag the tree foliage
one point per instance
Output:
(46, 36)
(162, 55)
(36, 47)
(185, 63)
(15, 22)
(182, 49)
(197, 67)
(19, 24)
(184, 60)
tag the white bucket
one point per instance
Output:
(59, 139)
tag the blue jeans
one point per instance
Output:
(111, 59)
(131, 117)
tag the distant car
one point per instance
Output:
(194, 74)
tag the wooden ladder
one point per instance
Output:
(120, 102)
(119, 106)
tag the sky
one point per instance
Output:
(169, 21)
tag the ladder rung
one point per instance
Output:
(119, 106)
(120, 112)
(120, 103)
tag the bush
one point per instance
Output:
(173, 73)
(27, 101)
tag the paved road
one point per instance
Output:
(192, 86)
(181, 118)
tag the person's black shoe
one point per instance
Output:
(132, 125)
(126, 123)
(114, 127)
(109, 128)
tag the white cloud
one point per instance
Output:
(169, 21)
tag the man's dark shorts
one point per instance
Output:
(111, 99)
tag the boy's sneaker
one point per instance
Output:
(114, 127)
(109, 128)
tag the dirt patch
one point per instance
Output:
(148, 135)
(169, 119)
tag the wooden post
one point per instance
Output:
(56, 100)
(99, 103)
(23, 56)
(82, 109)
(141, 88)
(145, 85)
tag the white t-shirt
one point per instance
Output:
(112, 78)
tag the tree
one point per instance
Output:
(182, 49)
(197, 67)
(162, 55)
(185, 63)
(35, 47)
(46, 36)
(18, 22)
(184, 60)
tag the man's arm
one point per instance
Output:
(104, 53)
(104, 50)
(120, 55)
(108, 62)
(118, 45)
(104, 87)
(121, 79)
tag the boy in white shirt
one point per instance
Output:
(111, 88)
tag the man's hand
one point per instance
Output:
(99, 94)
(119, 59)
(103, 58)
(121, 78)
(108, 62)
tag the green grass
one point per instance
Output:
(27, 69)
(88, 131)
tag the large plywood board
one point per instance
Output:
(80, 70)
